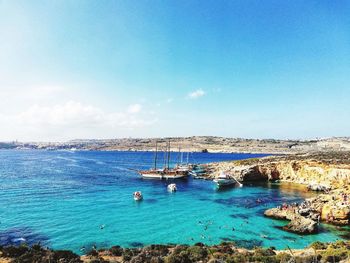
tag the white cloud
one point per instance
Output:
(134, 108)
(71, 120)
(196, 94)
(170, 100)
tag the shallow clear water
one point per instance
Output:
(63, 198)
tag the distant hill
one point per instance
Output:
(194, 144)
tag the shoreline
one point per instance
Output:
(326, 173)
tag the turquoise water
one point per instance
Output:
(67, 200)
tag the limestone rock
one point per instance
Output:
(298, 224)
(302, 225)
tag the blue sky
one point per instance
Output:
(108, 69)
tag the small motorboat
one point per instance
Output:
(172, 188)
(137, 196)
(224, 180)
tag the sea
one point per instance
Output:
(77, 200)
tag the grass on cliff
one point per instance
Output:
(327, 158)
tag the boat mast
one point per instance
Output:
(165, 155)
(155, 156)
(168, 154)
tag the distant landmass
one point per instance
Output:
(192, 144)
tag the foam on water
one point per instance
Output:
(62, 199)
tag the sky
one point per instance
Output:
(153, 68)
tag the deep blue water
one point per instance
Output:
(67, 200)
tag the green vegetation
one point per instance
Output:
(225, 252)
(38, 254)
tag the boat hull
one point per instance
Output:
(167, 174)
(224, 182)
(152, 175)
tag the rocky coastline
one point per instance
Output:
(327, 172)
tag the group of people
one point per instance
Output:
(296, 207)
(293, 207)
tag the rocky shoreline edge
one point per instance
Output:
(325, 172)
(224, 252)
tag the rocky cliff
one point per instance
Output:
(329, 172)
(328, 169)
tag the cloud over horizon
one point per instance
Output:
(72, 120)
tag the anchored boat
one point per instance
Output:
(172, 188)
(225, 180)
(138, 196)
(166, 172)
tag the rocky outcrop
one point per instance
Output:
(333, 208)
(278, 214)
(302, 225)
(325, 172)
(338, 214)
(298, 223)
(322, 171)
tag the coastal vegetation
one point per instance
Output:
(224, 252)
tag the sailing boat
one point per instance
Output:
(181, 166)
(166, 172)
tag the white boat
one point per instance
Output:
(163, 174)
(172, 187)
(183, 168)
(137, 196)
(224, 180)
(152, 174)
